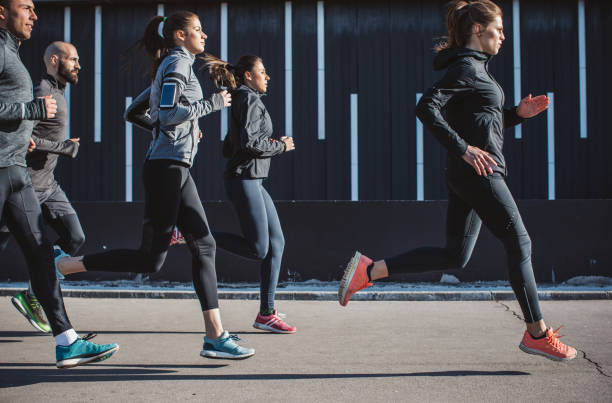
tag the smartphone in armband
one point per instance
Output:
(168, 95)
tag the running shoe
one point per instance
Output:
(29, 306)
(58, 253)
(225, 347)
(549, 346)
(273, 323)
(177, 237)
(81, 352)
(355, 278)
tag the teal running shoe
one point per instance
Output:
(58, 253)
(225, 347)
(81, 352)
(28, 305)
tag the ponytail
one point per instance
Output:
(461, 16)
(224, 74)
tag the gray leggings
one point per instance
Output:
(473, 200)
(263, 236)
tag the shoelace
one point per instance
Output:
(34, 303)
(554, 341)
(234, 337)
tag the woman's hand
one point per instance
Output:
(288, 143)
(480, 160)
(32, 145)
(227, 98)
(529, 107)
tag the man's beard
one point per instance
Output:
(67, 74)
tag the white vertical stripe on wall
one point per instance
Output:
(224, 56)
(320, 70)
(550, 122)
(161, 11)
(67, 38)
(98, 76)
(354, 148)
(288, 71)
(516, 38)
(128, 155)
(420, 188)
(582, 72)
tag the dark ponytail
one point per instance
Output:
(158, 47)
(461, 16)
(224, 74)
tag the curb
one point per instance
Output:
(481, 295)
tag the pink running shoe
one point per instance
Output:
(355, 278)
(273, 323)
(549, 346)
(177, 237)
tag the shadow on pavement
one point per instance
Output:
(23, 377)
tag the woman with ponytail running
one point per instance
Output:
(171, 197)
(249, 147)
(472, 131)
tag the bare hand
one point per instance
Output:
(200, 136)
(50, 106)
(480, 160)
(227, 98)
(289, 146)
(75, 139)
(529, 107)
(32, 145)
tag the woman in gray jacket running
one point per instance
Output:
(171, 198)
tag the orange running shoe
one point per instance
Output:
(549, 346)
(355, 278)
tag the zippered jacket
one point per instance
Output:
(249, 142)
(50, 137)
(18, 108)
(176, 133)
(474, 105)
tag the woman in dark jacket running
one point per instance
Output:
(171, 197)
(249, 146)
(472, 132)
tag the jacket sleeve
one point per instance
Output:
(137, 114)
(251, 139)
(178, 73)
(67, 147)
(457, 81)
(16, 112)
(511, 118)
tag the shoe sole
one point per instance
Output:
(528, 350)
(22, 310)
(347, 277)
(224, 356)
(271, 329)
(73, 362)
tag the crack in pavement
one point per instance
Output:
(597, 366)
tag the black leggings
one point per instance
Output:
(20, 209)
(471, 201)
(263, 236)
(171, 198)
(70, 233)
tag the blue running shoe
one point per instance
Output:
(58, 253)
(225, 347)
(81, 352)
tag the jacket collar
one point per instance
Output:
(246, 88)
(11, 40)
(184, 52)
(54, 82)
(448, 56)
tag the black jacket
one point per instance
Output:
(249, 144)
(474, 105)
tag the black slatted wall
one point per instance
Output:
(381, 50)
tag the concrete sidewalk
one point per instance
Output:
(368, 351)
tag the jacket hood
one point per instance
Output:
(448, 56)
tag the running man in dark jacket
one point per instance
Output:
(18, 202)
(472, 132)
(62, 66)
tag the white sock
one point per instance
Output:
(66, 338)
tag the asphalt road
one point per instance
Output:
(369, 351)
